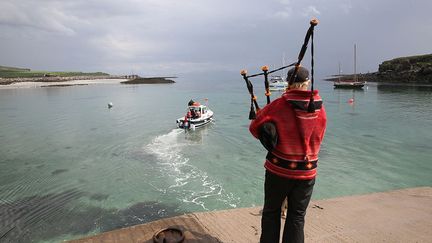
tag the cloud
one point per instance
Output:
(166, 35)
(30, 15)
(289, 9)
(346, 7)
(167, 68)
(284, 14)
(127, 46)
(284, 11)
(310, 11)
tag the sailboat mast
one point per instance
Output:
(355, 63)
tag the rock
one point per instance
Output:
(152, 80)
(412, 69)
(409, 70)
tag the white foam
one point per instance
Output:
(168, 149)
(191, 184)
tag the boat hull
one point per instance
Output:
(348, 85)
(193, 123)
(281, 88)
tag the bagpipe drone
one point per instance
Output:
(266, 72)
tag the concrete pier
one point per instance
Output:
(395, 216)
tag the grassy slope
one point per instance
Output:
(13, 69)
(13, 72)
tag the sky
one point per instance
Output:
(195, 37)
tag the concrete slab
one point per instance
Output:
(395, 216)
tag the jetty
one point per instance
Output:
(396, 216)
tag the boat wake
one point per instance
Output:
(191, 184)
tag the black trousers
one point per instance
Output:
(298, 193)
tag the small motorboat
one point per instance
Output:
(197, 115)
(276, 83)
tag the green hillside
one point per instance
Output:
(13, 69)
(14, 72)
(410, 69)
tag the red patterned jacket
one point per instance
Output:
(299, 134)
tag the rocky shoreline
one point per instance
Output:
(414, 70)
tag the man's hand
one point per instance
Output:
(268, 136)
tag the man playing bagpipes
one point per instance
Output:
(291, 128)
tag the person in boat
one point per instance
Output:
(193, 114)
(292, 133)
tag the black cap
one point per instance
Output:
(301, 76)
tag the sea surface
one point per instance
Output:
(70, 167)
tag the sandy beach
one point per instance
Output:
(28, 84)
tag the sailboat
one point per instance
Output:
(350, 84)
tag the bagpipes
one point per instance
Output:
(266, 72)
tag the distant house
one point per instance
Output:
(133, 76)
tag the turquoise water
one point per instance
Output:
(71, 167)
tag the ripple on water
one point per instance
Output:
(98, 196)
(31, 219)
(59, 171)
(40, 166)
(20, 217)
